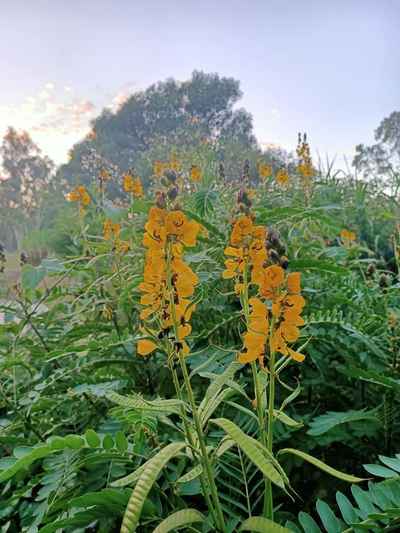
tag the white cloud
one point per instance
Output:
(57, 119)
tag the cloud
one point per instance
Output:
(57, 118)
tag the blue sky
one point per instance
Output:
(329, 67)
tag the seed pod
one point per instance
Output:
(371, 269)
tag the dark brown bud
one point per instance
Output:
(371, 269)
(284, 261)
(172, 193)
(384, 281)
(274, 256)
(170, 175)
(161, 200)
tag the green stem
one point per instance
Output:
(270, 433)
(257, 391)
(205, 459)
(189, 439)
(207, 468)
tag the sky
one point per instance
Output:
(328, 67)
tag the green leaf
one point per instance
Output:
(285, 419)
(92, 438)
(135, 401)
(32, 276)
(74, 441)
(192, 474)
(146, 480)
(115, 500)
(317, 264)
(308, 523)
(380, 471)
(121, 441)
(346, 508)
(25, 461)
(252, 449)
(328, 518)
(108, 442)
(321, 465)
(391, 462)
(179, 519)
(259, 524)
(323, 423)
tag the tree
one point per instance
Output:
(27, 175)
(382, 159)
(167, 114)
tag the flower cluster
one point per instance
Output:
(264, 170)
(287, 306)
(168, 282)
(195, 173)
(305, 167)
(79, 194)
(246, 252)
(282, 177)
(273, 314)
(133, 185)
(111, 232)
(347, 236)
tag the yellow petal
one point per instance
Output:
(146, 346)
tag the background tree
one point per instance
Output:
(27, 176)
(167, 115)
(382, 159)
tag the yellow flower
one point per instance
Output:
(79, 194)
(255, 338)
(111, 230)
(282, 177)
(158, 168)
(264, 170)
(347, 236)
(146, 346)
(174, 164)
(195, 173)
(178, 225)
(133, 185)
(167, 280)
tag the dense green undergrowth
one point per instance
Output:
(81, 412)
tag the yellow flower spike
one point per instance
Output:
(79, 194)
(195, 173)
(282, 177)
(158, 168)
(264, 170)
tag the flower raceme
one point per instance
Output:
(246, 251)
(168, 282)
(111, 232)
(79, 194)
(274, 313)
(281, 321)
(133, 185)
(347, 236)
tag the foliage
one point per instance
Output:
(94, 435)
